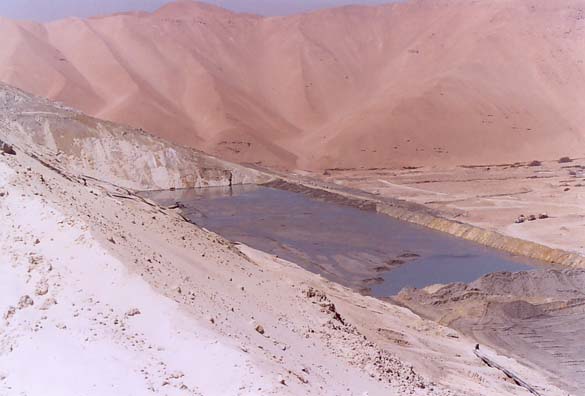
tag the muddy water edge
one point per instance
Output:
(341, 238)
(362, 244)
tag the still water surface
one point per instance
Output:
(342, 243)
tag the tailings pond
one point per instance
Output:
(362, 249)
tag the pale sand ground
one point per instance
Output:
(90, 341)
(491, 197)
(199, 301)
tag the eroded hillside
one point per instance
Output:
(409, 83)
(66, 138)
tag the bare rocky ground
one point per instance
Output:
(102, 291)
(491, 196)
(114, 153)
(536, 317)
(299, 334)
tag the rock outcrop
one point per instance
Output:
(132, 158)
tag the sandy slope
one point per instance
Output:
(537, 316)
(91, 325)
(419, 82)
(100, 257)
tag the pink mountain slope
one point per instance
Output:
(440, 82)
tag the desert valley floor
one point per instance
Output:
(195, 201)
(89, 267)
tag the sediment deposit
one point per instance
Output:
(537, 317)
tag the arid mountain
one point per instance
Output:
(419, 82)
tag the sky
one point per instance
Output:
(47, 10)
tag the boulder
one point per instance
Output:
(260, 329)
(5, 148)
(25, 301)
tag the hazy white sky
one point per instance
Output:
(45, 10)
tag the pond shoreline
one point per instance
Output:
(344, 239)
(432, 219)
